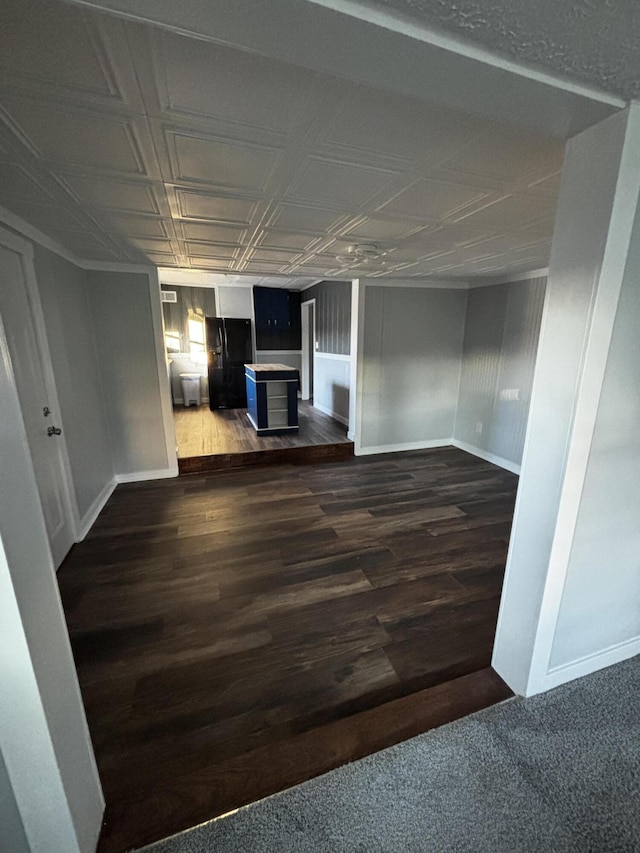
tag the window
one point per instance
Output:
(172, 341)
(195, 326)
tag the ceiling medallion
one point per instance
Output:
(361, 253)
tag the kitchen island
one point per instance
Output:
(272, 398)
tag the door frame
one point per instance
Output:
(25, 249)
(308, 364)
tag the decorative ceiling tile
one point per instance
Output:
(79, 138)
(339, 183)
(196, 159)
(287, 240)
(211, 250)
(135, 226)
(381, 229)
(160, 146)
(107, 192)
(241, 85)
(503, 154)
(428, 200)
(223, 234)
(501, 214)
(315, 220)
(223, 209)
(51, 43)
(381, 123)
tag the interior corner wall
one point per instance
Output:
(120, 304)
(12, 834)
(600, 605)
(411, 363)
(499, 353)
(332, 359)
(63, 293)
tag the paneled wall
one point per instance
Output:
(411, 362)
(333, 315)
(499, 353)
(199, 300)
(332, 359)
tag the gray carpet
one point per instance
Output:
(558, 772)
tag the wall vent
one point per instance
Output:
(168, 296)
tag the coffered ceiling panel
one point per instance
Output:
(78, 138)
(58, 45)
(110, 193)
(223, 209)
(212, 233)
(125, 142)
(236, 86)
(431, 200)
(316, 220)
(378, 122)
(339, 182)
(286, 240)
(226, 164)
(134, 226)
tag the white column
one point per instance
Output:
(591, 244)
(44, 738)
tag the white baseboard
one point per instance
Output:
(88, 519)
(351, 435)
(141, 476)
(325, 410)
(399, 448)
(589, 663)
(488, 457)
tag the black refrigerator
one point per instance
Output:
(229, 348)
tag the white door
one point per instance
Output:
(36, 399)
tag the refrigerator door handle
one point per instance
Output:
(227, 366)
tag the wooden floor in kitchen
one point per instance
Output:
(201, 432)
(239, 632)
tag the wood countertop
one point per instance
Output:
(266, 368)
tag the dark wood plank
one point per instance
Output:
(261, 614)
(178, 803)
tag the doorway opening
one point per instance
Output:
(213, 328)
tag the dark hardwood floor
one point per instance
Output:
(238, 632)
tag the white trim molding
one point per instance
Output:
(141, 476)
(591, 663)
(88, 519)
(488, 457)
(399, 448)
(326, 411)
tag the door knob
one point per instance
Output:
(54, 431)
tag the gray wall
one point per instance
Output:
(199, 300)
(125, 343)
(500, 345)
(68, 322)
(412, 356)
(600, 606)
(12, 835)
(333, 315)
